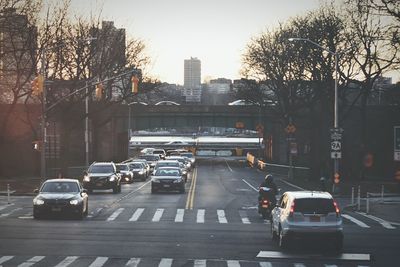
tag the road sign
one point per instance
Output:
(396, 143)
(239, 125)
(336, 155)
(290, 128)
(336, 133)
(336, 145)
(293, 148)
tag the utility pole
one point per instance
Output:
(87, 125)
(43, 120)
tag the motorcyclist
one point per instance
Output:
(268, 182)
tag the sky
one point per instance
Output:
(214, 31)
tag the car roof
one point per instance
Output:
(168, 161)
(309, 194)
(62, 180)
(169, 168)
(103, 163)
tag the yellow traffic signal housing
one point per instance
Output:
(37, 85)
(135, 84)
(99, 91)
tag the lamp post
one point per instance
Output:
(336, 109)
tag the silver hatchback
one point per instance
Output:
(307, 214)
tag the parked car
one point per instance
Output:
(102, 175)
(125, 173)
(61, 196)
(139, 170)
(307, 215)
(167, 179)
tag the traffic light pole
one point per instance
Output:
(87, 126)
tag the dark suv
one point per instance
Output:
(102, 175)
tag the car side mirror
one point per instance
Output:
(85, 173)
(36, 191)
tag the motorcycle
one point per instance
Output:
(265, 204)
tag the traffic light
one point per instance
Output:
(37, 85)
(336, 178)
(135, 84)
(36, 145)
(99, 91)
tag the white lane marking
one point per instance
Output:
(384, 223)
(265, 264)
(299, 265)
(31, 261)
(229, 167)
(330, 265)
(133, 262)
(165, 263)
(179, 215)
(5, 258)
(5, 206)
(136, 215)
(200, 263)
(292, 185)
(243, 216)
(354, 220)
(67, 261)
(93, 213)
(221, 216)
(115, 214)
(11, 212)
(343, 256)
(157, 216)
(232, 263)
(99, 262)
(200, 216)
(252, 187)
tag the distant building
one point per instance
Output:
(192, 80)
(109, 55)
(17, 54)
(220, 86)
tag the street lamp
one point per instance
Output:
(336, 109)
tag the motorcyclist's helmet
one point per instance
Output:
(269, 179)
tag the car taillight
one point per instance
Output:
(265, 201)
(292, 209)
(336, 208)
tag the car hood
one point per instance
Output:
(100, 174)
(57, 195)
(167, 177)
(137, 170)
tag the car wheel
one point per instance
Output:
(143, 179)
(153, 191)
(182, 191)
(283, 243)
(36, 215)
(338, 245)
(115, 189)
(119, 188)
(273, 233)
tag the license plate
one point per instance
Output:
(99, 184)
(167, 185)
(56, 209)
(315, 219)
(265, 206)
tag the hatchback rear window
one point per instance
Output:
(314, 205)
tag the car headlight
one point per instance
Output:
(177, 181)
(154, 180)
(152, 164)
(86, 178)
(184, 172)
(111, 179)
(38, 201)
(74, 202)
(141, 172)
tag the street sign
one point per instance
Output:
(336, 145)
(336, 155)
(336, 133)
(293, 148)
(290, 128)
(239, 125)
(396, 143)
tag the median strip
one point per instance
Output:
(190, 197)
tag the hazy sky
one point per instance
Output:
(215, 31)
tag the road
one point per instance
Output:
(215, 223)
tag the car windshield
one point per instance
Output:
(122, 167)
(314, 205)
(135, 166)
(150, 157)
(167, 172)
(101, 169)
(60, 187)
(188, 155)
(166, 164)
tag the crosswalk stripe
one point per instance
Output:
(384, 223)
(328, 265)
(157, 216)
(99, 262)
(115, 214)
(165, 263)
(67, 261)
(243, 216)
(5, 206)
(179, 215)
(31, 261)
(221, 216)
(265, 264)
(11, 212)
(136, 215)
(299, 265)
(200, 263)
(232, 263)
(133, 262)
(5, 258)
(200, 216)
(354, 220)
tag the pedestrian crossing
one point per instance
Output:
(102, 261)
(199, 216)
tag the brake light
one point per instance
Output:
(292, 209)
(265, 201)
(336, 208)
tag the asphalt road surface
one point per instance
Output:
(214, 223)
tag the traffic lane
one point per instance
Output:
(220, 188)
(144, 240)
